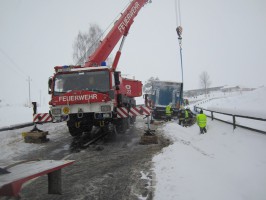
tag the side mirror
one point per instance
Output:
(116, 76)
(112, 94)
(50, 81)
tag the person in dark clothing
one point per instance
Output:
(181, 116)
(189, 118)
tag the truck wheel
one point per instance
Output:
(132, 120)
(110, 129)
(119, 126)
(127, 122)
(87, 128)
(74, 132)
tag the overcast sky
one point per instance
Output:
(226, 38)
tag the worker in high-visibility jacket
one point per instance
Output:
(202, 122)
(188, 117)
(168, 112)
(181, 116)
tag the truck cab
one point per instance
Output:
(163, 93)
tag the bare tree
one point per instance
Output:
(86, 43)
(205, 81)
(148, 85)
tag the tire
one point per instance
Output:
(123, 124)
(111, 130)
(132, 120)
(87, 128)
(75, 132)
(127, 122)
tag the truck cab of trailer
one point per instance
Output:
(163, 93)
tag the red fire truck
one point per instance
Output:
(95, 94)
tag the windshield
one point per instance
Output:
(91, 81)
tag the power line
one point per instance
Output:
(14, 64)
(18, 69)
(29, 80)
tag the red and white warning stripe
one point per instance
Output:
(42, 117)
(123, 112)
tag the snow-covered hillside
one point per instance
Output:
(242, 103)
(238, 103)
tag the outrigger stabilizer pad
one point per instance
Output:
(149, 137)
(35, 136)
(149, 132)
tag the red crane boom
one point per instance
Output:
(120, 28)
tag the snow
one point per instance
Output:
(12, 143)
(241, 103)
(17, 114)
(221, 164)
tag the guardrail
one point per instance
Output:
(13, 127)
(234, 122)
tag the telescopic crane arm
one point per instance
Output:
(120, 28)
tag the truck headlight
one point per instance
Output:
(102, 115)
(107, 115)
(56, 111)
(106, 108)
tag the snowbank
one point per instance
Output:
(222, 164)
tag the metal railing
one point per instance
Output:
(234, 122)
(13, 127)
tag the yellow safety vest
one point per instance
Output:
(168, 110)
(201, 120)
(186, 114)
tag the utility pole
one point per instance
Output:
(29, 80)
(40, 98)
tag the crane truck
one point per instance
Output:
(95, 94)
